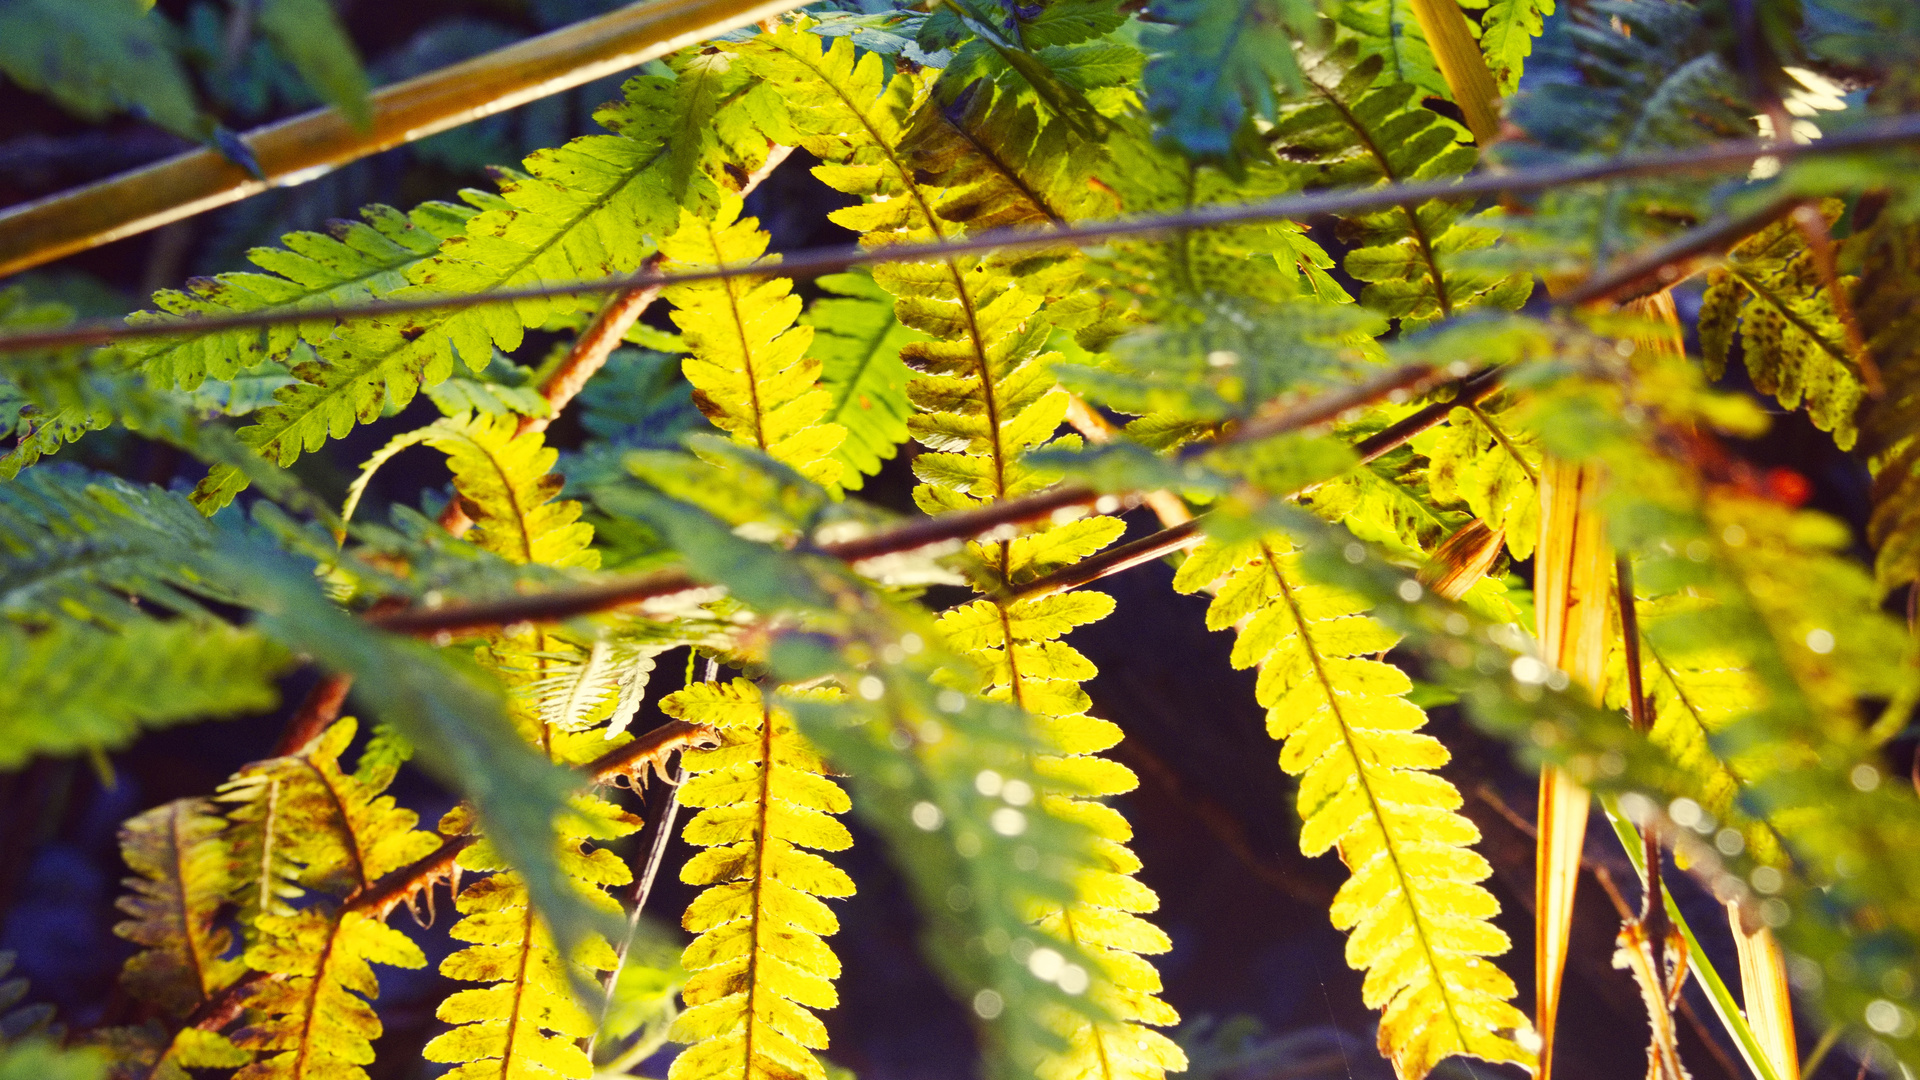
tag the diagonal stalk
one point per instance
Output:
(313, 144)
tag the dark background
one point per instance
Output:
(1214, 817)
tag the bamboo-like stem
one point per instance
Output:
(312, 144)
(1572, 583)
(1708, 159)
(1463, 66)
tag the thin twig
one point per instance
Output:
(1411, 378)
(1661, 268)
(637, 901)
(1707, 159)
(318, 709)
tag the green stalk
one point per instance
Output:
(1718, 995)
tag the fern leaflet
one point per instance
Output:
(1416, 918)
(184, 876)
(759, 963)
(857, 339)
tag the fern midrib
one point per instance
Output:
(519, 988)
(727, 286)
(186, 910)
(759, 883)
(1099, 1037)
(1771, 299)
(1414, 228)
(267, 829)
(1007, 172)
(512, 496)
(1506, 444)
(312, 1005)
(380, 361)
(1366, 788)
(346, 823)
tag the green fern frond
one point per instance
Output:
(1388, 29)
(759, 965)
(1216, 68)
(750, 370)
(1772, 291)
(857, 339)
(1507, 30)
(1482, 460)
(100, 57)
(586, 210)
(353, 262)
(1418, 922)
(526, 1023)
(1348, 130)
(71, 687)
(506, 485)
(181, 859)
(1889, 257)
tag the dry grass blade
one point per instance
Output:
(1573, 572)
(1462, 65)
(312, 144)
(1763, 985)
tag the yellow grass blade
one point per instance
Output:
(1763, 983)
(1573, 572)
(309, 145)
(1462, 65)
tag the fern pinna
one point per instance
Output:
(759, 962)
(307, 836)
(1416, 918)
(983, 397)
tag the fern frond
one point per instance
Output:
(1794, 343)
(1347, 130)
(506, 486)
(984, 397)
(314, 1020)
(182, 859)
(1890, 320)
(71, 687)
(585, 210)
(1492, 466)
(1216, 69)
(750, 370)
(857, 338)
(351, 263)
(100, 57)
(1389, 29)
(1507, 30)
(525, 1024)
(759, 965)
(1418, 922)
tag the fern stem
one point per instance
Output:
(1714, 157)
(591, 349)
(637, 901)
(318, 709)
(315, 143)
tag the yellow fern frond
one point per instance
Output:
(313, 1020)
(750, 370)
(525, 1024)
(185, 876)
(759, 965)
(1416, 917)
(506, 484)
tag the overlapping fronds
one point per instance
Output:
(1613, 77)
(1215, 69)
(751, 372)
(526, 1022)
(857, 338)
(184, 876)
(302, 825)
(759, 964)
(99, 57)
(1349, 129)
(589, 209)
(1772, 291)
(1417, 919)
(506, 486)
(1481, 459)
(71, 687)
(353, 262)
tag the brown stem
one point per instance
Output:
(650, 750)
(1327, 407)
(591, 349)
(1667, 264)
(318, 709)
(1712, 158)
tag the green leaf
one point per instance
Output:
(308, 33)
(100, 57)
(857, 339)
(1216, 68)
